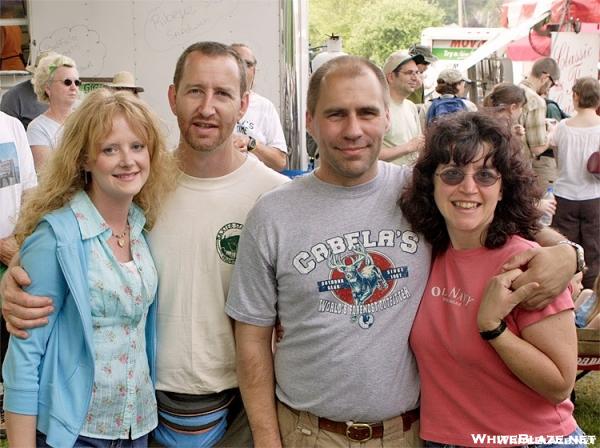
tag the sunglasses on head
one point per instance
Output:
(483, 177)
(67, 82)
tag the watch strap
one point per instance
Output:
(251, 144)
(493, 334)
(579, 253)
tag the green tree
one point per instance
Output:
(328, 17)
(389, 25)
(372, 29)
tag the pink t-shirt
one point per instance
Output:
(465, 386)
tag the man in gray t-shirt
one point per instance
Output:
(331, 255)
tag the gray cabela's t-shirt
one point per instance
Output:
(345, 274)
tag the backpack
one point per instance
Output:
(443, 106)
(553, 104)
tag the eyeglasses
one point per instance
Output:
(410, 73)
(552, 83)
(484, 177)
(67, 82)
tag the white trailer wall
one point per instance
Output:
(145, 37)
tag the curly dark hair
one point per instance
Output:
(459, 138)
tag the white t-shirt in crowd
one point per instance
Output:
(574, 146)
(261, 121)
(17, 173)
(43, 131)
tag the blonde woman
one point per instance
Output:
(85, 379)
(56, 82)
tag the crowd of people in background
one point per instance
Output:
(365, 296)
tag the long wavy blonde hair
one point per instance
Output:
(84, 130)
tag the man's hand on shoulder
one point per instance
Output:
(19, 309)
(551, 267)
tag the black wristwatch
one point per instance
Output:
(578, 252)
(493, 334)
(251, 144)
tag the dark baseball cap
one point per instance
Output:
(424, 51)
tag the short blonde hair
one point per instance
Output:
(44, 73)
(84, 130)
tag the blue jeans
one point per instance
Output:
(577, 432)
(89, 442)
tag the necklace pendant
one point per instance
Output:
(121, 242)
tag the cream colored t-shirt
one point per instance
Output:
(194, 244)
(405, 125)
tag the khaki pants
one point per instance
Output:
(302, 430)
(545, 169)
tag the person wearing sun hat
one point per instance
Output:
(124, 80)
(404, 138)
(20, 100)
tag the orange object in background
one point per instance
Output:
(11, 57)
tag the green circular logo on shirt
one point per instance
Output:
(228, 238)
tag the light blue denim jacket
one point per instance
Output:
(51, 373)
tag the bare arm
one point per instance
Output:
(40, 156)
(544, 358)
(551, 266)
(537, 150)
(19, 309)
(271, 156)
(8, 249)
(21, 430)
(257, 382)
(391, 153)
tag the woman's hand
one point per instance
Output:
(499, 299)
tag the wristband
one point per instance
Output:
(493, 334)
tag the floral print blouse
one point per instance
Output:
(123, 404)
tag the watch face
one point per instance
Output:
(251, 143)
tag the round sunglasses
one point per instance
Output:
(484, 177)
(67, 82)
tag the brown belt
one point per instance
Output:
(361, 432)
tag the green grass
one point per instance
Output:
(587, 405)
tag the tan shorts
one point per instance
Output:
(301, 429)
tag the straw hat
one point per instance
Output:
(124, 80)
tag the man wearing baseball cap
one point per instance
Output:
(404, 138)
(418, 96)
(20, 100)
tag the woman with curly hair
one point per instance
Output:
(487, 367)
(55, 82)
(85, 379)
